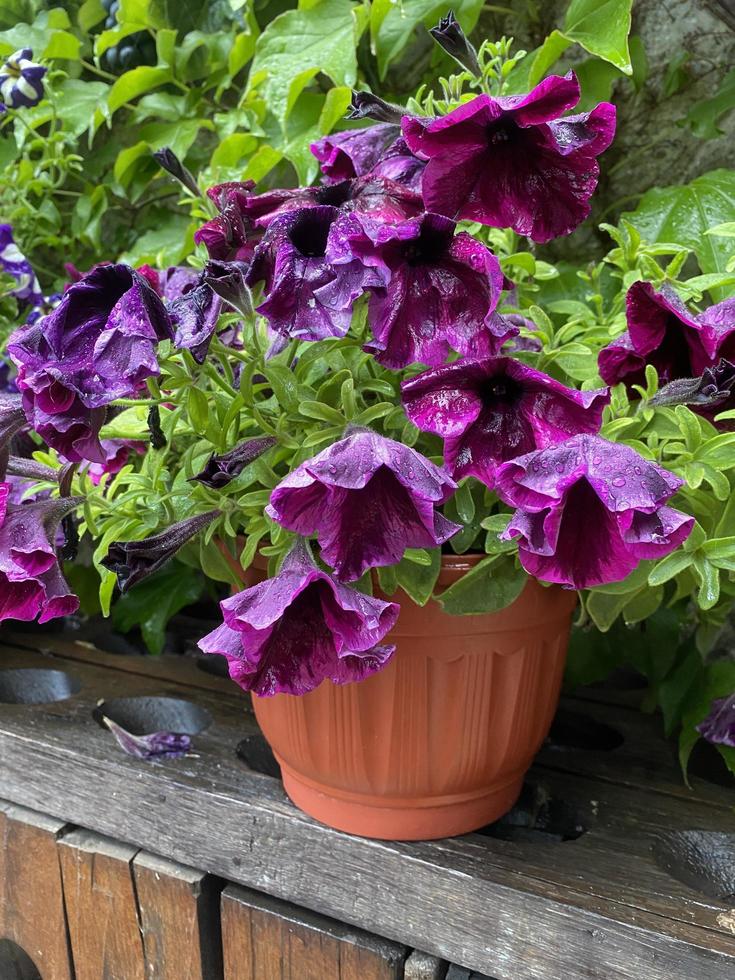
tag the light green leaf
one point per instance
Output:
(77, 103)
(669, 567)
(547, 55)
(136, 82)
(300, 43)
(704, 115)
(602, 28)
(418, 580)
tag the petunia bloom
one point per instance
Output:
(437, 290)
(514, 161)
(230, 236)
(14, 263)
(367, 498)
(194, 316)
(353, 152)
(221, 470)
(31, 583)
(132, 561)
(21, 80)
(493, 410)
(291, 632)
(589, 510)
(99, 344)
(719, 725)
(306, 295)
(662, 332)
(117, 452)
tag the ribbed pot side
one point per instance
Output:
(438, 743)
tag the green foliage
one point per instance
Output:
(602, 28)
(152, 602)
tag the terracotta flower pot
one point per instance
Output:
(438, 743)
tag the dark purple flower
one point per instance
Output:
(117, 452)
(436, 291)
(176, 281)
(227, 279)
(291, 632)
(514, 161)
(31, 583)
(719, 322)
(306, 295)
(21, 80)
(401, 166)
(367, 499)
(231, 236)
(353, 152)
(12, 417)
(383, 199)
(708, 393)
(662, 332)
(133, 561)
(452, 38)
(194, 316)
(14, 263)
(99, 344)
(719, 725)
(589, 510)
(221, 470)
(157, 745)
(491, 411)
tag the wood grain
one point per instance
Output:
(180, 922)
(266, 939)
(101, 907)
(31, 894)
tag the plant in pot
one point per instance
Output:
(354, 411)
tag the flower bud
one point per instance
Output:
(450, 36)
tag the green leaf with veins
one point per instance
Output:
(151, 603)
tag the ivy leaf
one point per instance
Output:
(393, 23)
(491, 585)
(683, 215)
(703, 116)
(151, 603)
(320, 36)
(602, 29)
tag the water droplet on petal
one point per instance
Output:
(618, 481)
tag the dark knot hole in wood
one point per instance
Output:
(28, 685)
(702, 859)
(538, 817)
(15, 963)
(145, 715)
(574, 730)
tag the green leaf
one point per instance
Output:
(77, 103)
(151, 603)
(547, 55)
(491, 585)
(670, 567)
(605, 608)
(704, 115)
(393, 23)
(602, 28)
(297, 45)
(136, 82)
(684, 215)
(418, 580)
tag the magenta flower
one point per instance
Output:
(491, 411)
(662, 332)
(230, 237)
(353, 152)
(306, 295)
(99, 344)
(589, 510)
(400, 165)
(291, 632)
(367, 499)
(719, 725)
(436, 291)
(514, 161)
(31, 583)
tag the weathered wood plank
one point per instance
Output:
(31, 896)
(180, 920)
(266, 939)
(101, 907)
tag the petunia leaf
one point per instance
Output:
(602, 29)
(684, 215)
(491, 585)
(418, 580)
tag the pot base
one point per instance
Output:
(414, 820)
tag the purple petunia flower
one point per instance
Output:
(221, 470)
(99, 344)
(401, 166)
(589, 510)
(291, 632)
(194, 315)
(306, 295)
(662, 332)
(436, 291)
(514, 161)
(21, 80)
(719, 725)
(367, 498)
(31, 583)
(491, 411)
(353, 152)
(231, 236)
(117, 452)
(14, 263)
